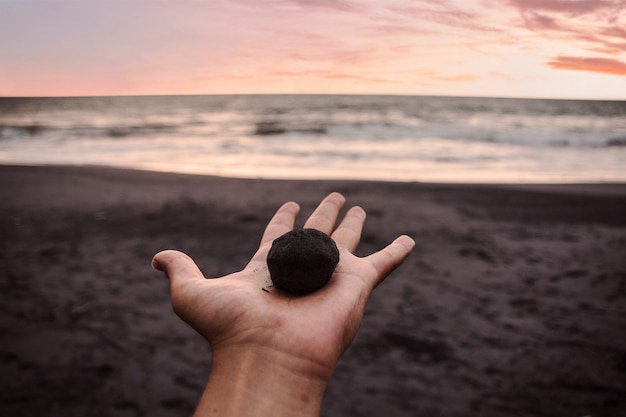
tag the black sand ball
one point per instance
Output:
(302, 261)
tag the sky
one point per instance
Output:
(497, 48)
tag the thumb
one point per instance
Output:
(389, 258)
(178, 267)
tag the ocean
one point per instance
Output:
(390, 138)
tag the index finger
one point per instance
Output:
(282, 222)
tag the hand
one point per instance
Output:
(277, 349)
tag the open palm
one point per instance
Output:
(244, 312)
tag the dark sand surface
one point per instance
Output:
(512, 304)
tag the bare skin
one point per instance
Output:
(274, 354)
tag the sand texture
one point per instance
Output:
(512, 304)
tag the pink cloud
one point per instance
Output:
(327, 74)
(458, 77)
(589, 64)
(615, 31)
(594, 25)
(337, 5)
(446, 14)
(454, 77)
(428, 75)
(262, 75)
(570, 7)
(537, 21)
(602, 45)
(329, 5)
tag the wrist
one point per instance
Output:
(262, 381)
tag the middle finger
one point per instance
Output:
(348, 233)
(325, 215)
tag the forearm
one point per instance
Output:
(252, 381)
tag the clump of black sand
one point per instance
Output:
(302, 261)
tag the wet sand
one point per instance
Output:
(512, 304)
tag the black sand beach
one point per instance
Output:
(512, 304)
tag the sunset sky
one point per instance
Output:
(510, 48)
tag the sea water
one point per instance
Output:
(399, 138)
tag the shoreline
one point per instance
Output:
(512, 302)
(329, 177)
(607, 187)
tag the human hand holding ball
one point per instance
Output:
(274, 353)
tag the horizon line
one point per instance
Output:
(314, 94)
